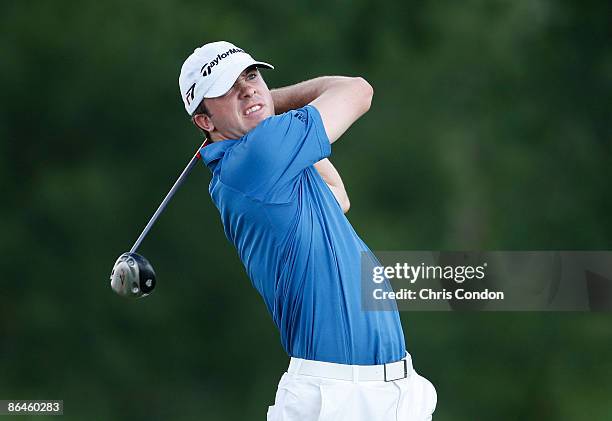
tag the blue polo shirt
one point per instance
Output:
(298, 248)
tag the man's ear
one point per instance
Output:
(203, 122)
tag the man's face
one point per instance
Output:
(242, 108)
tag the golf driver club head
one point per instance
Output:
(132, 276)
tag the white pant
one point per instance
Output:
(317, 398)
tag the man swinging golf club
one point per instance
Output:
(282, 205)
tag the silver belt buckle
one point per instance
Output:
(389, 376)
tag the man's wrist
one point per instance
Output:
(300, 94)
(291, 97)
(284, 100)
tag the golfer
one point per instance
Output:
(282, 205)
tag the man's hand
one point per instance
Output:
(330, 175)
(340, 100)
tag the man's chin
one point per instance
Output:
(255, 122)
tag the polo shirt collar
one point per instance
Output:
(213, 152)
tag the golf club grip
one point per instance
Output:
(164, 202)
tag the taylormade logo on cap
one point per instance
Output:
(211, 70)
(207, 68)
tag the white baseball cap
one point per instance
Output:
(211, 70)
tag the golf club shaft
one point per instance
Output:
(164, 202)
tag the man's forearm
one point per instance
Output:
(303, 93)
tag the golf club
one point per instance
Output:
(132, 275)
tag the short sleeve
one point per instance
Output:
(277, 151)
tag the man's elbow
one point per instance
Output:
(365, 93)
(345, 205)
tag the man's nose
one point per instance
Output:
(247, 90)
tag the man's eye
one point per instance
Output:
(252, 76)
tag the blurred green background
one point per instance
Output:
(490, 129)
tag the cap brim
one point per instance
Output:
(227, 79)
